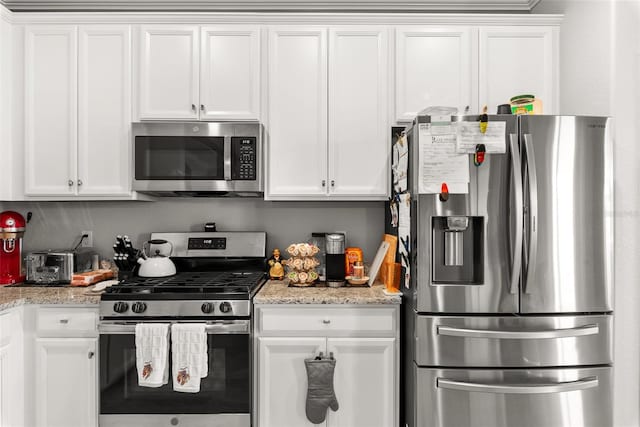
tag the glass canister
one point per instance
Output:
(318, 239)
(358, 270)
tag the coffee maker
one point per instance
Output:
(335, 259)
(12, 226)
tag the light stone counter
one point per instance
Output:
(12, 296)
(278, 292)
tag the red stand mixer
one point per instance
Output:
(12, 226)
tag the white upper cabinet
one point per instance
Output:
(199, 73)
(435, 66)
(51, 110)
(518, 60)
(77, 111)
(104, 118)
(358, 112)
(328, 114)
(297, 128)
(230, 72)
(168, 85)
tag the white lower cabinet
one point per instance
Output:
(12, 392)
(282, 379)
(66, 374)
(66, 368)
(364, 381)
(366, 373)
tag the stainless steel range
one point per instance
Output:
(217, 276)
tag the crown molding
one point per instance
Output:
(256, 18)
(5, 14)
(271, 5)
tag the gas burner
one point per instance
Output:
(213, 280)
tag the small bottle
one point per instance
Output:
(358, 270)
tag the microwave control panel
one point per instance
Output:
(243, 155)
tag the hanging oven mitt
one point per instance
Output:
(320, 393)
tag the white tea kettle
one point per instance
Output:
(157, 265)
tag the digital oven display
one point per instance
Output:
(207, 243)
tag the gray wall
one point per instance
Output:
(58, 224)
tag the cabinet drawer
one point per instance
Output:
(327, 321)
(67, 321)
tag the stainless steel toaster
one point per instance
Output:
(56, 267)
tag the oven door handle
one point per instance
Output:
(234, 327)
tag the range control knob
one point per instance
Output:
(138, 307)
(207, 307)
(225, 307)
(120, 307)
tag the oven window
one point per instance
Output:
(179, 158)
(225, 390)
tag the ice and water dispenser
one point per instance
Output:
(457, 242)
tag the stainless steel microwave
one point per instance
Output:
(198, 158)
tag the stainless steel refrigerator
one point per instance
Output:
(508, 313)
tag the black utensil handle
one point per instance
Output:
(157, 241)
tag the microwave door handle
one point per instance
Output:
(227, 158)
(533, 213)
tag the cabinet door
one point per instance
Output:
(282, 380)
(435, 66)
(168, 72)
(105, 110)
(230, 73)
(364, 382)
(12, 378)
(297, 125)
(50, 110)
(66, 394)
(358, 113)
(518, 60)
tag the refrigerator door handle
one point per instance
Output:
(533, 213)
(534, 388)
(516, 167)
(527, 335)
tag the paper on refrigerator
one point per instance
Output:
(404, 232)
(439, 162)
(400, 163)
(469, 136)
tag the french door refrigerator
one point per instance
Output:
(508, 314)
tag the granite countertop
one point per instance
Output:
(12, 296)
(279, 292)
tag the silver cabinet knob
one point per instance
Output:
(333, 183)
(201, 107)
(193, 107)
(70, 183)
(326, 321)
(91, 354)
(324, 183)
(79, 182)
(64, 321)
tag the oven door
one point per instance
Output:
(225, 394)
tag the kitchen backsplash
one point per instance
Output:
(57, 225)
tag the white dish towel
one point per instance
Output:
(189, 352)
(152, 354)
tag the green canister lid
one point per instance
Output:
(522, 98)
